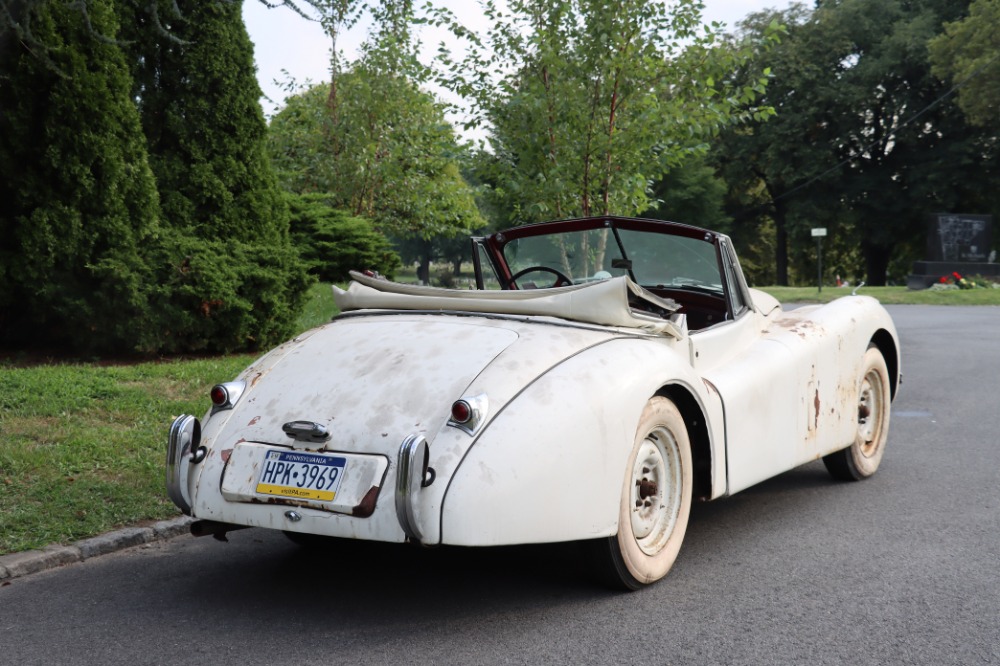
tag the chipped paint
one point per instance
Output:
(366, 506)
(808, 358)
(816, 404)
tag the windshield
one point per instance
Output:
(650, 259)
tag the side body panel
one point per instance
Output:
(792, 395)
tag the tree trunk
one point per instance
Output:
(780, 245)
(876, 263)
(424, 268)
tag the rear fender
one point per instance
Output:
(549, 466)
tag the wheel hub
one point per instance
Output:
(869, 407)
(656, 483)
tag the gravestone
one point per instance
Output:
(956, 243)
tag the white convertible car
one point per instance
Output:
(606, 372)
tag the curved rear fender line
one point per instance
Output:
(434, 533)
(693, 412)
(214, 422)
(541, 472)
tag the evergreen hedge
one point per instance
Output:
(332, 242)
(79, 216)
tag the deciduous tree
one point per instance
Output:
(376, 143)
(865, 140)
(967, 54)
(588, 102)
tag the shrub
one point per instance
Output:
(332, 242)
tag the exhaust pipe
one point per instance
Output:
(200, 528)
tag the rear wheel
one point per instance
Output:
(655, 502)
(862, 457)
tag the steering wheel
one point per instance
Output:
(561, 279)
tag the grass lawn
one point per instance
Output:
(888, 295)
(82, 444)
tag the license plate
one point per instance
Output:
(301, 475)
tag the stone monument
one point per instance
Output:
(956, 243)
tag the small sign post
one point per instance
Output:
(818, 233)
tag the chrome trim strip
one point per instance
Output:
(183, 450)
(410, 469)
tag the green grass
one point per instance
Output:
(888, 295)
(319, 307)
(82, 444)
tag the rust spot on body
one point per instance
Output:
(816, 405)
(254, 420)
(366, 507)
(225, 454)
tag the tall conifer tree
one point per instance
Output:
(78, 205)
(233, 280)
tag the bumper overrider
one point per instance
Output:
(184, 451)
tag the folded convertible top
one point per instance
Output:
(604, 302)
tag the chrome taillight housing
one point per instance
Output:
(468, 413)
(224, 396)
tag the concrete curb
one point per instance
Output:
(16, 565)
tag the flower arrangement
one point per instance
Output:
(957, 281)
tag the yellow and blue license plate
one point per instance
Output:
(301, 475)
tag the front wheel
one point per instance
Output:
(655, 502)
(861, 459)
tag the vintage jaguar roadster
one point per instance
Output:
(606, 372)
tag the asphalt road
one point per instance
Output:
(903, 568)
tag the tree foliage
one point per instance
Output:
(766, 163)
(691, 193)
(385, 153)
(139, 211)
(332, 243)
(375, 143)
(864, 141)
(587, 102)
(78, 204)
(967, 53)
(231, 277)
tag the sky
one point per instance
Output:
(288, 47)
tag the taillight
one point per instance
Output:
(461, 412)
(224, 396)
(468, 413)
(219, 395)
